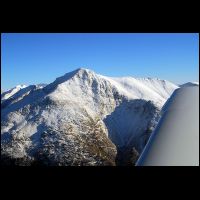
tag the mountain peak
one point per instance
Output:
(82, 70)
(79, 72)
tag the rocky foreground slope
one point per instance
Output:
(82, 118)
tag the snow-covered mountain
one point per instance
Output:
(189, 84)
(7, 94)
(82, 118)
(22, 88)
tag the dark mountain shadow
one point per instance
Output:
(129, 127)
(6, 137)
(126, 156)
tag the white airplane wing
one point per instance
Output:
(175, 141)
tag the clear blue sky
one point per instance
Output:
(40, 58)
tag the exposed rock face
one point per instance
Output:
(81, 119)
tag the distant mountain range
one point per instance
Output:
(82, 118)
(189, 84)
